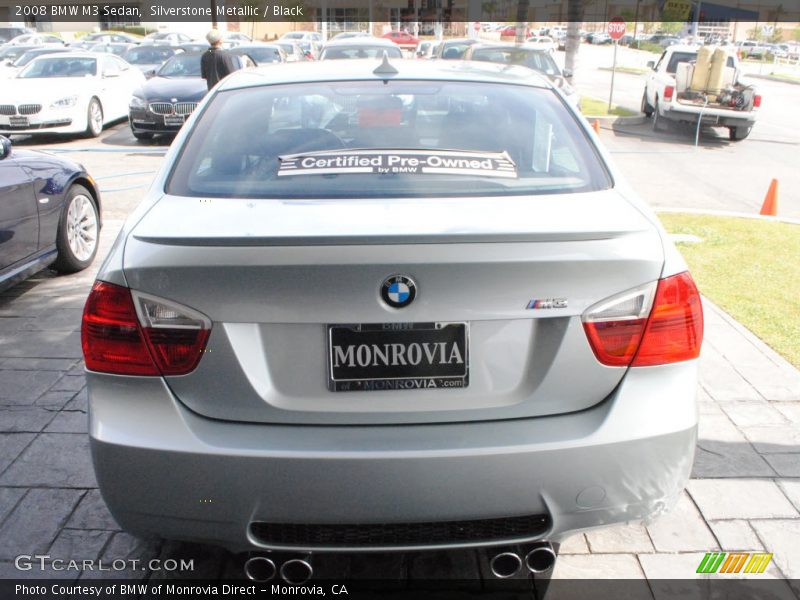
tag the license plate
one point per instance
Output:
(398, 356)
(174, 121)
(18, 121)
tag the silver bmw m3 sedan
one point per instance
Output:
(390, 306)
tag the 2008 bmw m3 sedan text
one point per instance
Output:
(390, 306)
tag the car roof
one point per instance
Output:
(73, 54)
(508, 45)
(364, 70)
(360, 41)
(256, 45)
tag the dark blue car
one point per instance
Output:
(49, 214)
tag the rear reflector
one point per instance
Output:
(656, 324)
(129, 333)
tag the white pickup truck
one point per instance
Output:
(685, 87)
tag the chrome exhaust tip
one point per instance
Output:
(505, 565)
(296, 571)
(260, 568)
(541, 558)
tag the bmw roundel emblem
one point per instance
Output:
(398, 291)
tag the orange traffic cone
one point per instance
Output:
(596, 126)
(770, 206)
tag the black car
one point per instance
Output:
(49, 214)
(165, 101)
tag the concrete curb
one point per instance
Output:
(770, 78)
(725, 213)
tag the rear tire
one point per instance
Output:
(737, 134)
(94, 118)
(660, 124)
(646, 108)
(78, 231)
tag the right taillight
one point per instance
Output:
(130, 333)
(757, 101)
(655, 324)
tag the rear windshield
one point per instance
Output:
(536, 60)
(682, 57)
(148, 55)
(59, 67)
(260, 55)
(386, 139)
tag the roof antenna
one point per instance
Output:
(385, 68)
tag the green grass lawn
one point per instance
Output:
(751, 269)
(785, 76)
(594, 107)
(629, 70)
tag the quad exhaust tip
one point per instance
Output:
(296, 571)
(505, 564)
(541, 558)
(260, 568)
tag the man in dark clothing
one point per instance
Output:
(216, 63)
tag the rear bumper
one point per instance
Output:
(710, 116)
(164, 470)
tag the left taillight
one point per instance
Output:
(130, 333)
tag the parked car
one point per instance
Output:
(162, 104)
(600, 38)
(294, 53)
(49, 214)
(119, 49)
(343, 35)
(511, 31)
(403, 39)
(453, 49)
(105, 37)
(542, 42)
(426, 49)
(261, 53)
(167, 38)
(11, 70)
(231, 39)
(35, 39)
(8, 54)
(200, 46)
(165, 101)
(9, 33)
(526, 56)
(302, 36)
(391, 369)
(71, 92)
(360, 48)
(668, 98)
(148, 58)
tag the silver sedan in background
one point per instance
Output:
(345, 318)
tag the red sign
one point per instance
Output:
(616, 28)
